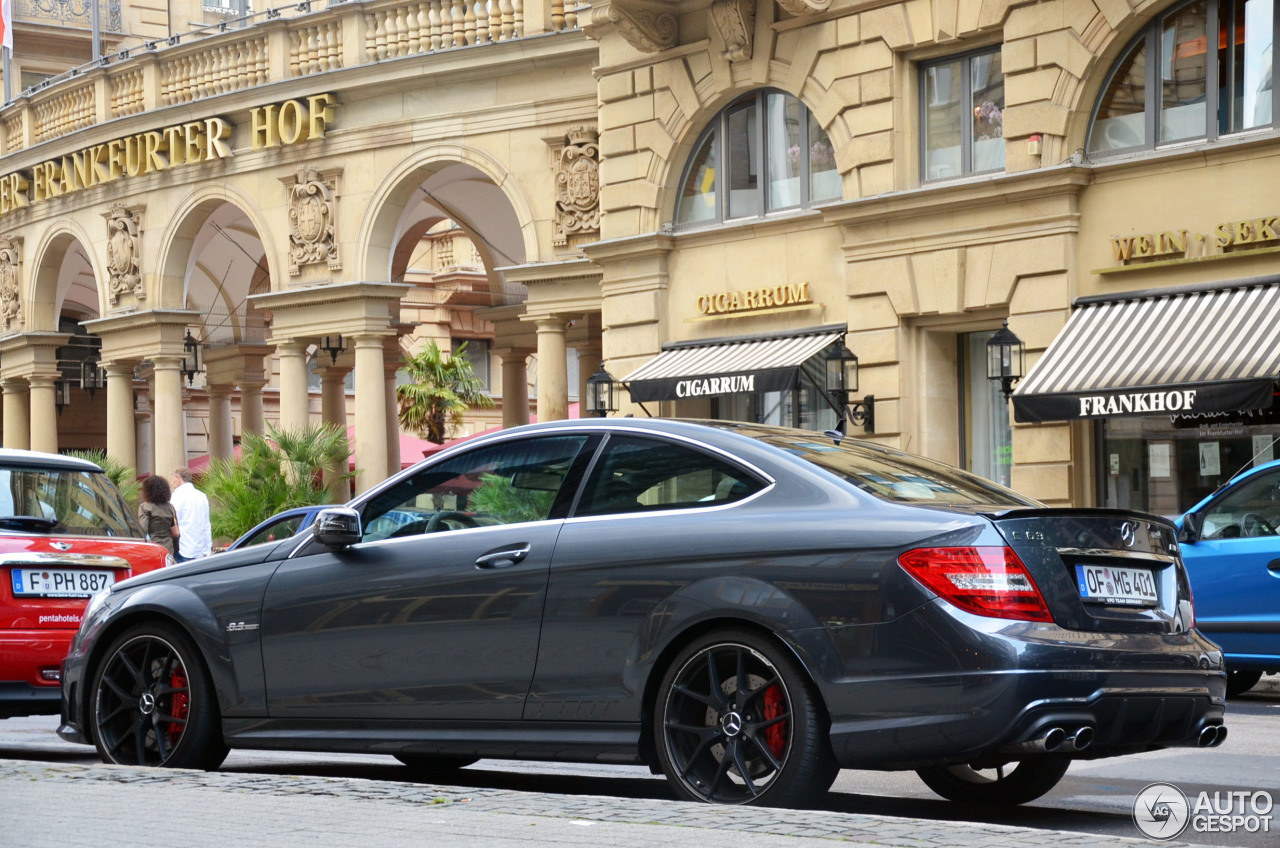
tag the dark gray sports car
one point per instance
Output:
(745, 608)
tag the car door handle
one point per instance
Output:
(503, 558)
(1274, 565)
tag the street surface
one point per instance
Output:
(300, 795)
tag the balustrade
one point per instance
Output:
(227, 58)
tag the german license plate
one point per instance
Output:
(1109, 584)
(60, 582)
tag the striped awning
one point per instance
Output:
(763, 363)
(1173, 352)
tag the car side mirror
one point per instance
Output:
(337, 527)
(1192, 527)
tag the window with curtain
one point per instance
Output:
(765, 152)
(1201, 71)
(962, 116)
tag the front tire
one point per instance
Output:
(1008, 785)
(737, 722)
(153, 704)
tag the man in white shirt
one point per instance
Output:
(195, 538)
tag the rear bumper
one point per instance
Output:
(956, 688)
(30, 667)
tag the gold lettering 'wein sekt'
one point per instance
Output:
(190, 143)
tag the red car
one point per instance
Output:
(65, 534)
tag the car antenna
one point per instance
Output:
(836, 435)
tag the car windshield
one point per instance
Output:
(63, 500)
(895, 476)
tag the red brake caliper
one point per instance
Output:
(775, 734)
(181, 704)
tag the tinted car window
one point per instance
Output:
(80, 502)
(639, 475)
(501, 484)
(897, 476)
(1250, 509)
(282, 529)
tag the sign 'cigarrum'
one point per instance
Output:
(755, 300)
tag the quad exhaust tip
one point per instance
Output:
(1212, 735)
(1082, 738)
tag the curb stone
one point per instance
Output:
(494, 813)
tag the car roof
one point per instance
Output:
(16, 457)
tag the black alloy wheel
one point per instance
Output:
(153, 704)
(1013, 783)
(736, 722)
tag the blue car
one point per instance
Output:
(282, 525)
(1231, 547)
(290, 522)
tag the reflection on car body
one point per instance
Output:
(745, 608)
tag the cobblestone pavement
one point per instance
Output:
(68, 806)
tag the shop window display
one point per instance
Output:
(1167, 464)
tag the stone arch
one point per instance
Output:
(47, 282)
(1109, 40)
(177, 240)
(383, 228)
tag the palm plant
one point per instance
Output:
(442, 388)
(124, 476)
(275, 472)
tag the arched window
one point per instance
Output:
(763, 153)
(1175, 83)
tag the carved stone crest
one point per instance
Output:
(799, 8)
(647, 29)
(736, 22)
(577, 185)
(123, 227)
(312, 213)
(10, 300)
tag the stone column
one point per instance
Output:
(221, 438)
(251, 418)
(44, 413)
(295, 412)
(553, 372)
(333, 410)
(515, 387)
(371, 424)
(121, 424)
(167, 433)
(17, 414)
(588, 364)
(393, 422)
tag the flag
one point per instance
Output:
(6, 24)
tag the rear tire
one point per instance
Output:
(737, 721)
(1026, 781)
(153, 704)
(1240, 681)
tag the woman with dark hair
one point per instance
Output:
(156, 515)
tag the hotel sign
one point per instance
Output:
(188, 143)
(767, 299)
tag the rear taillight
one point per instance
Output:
(983, 581)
